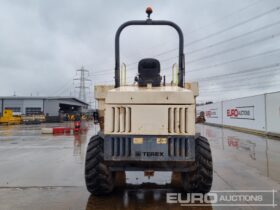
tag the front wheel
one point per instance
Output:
(200, 175)
(97, 175)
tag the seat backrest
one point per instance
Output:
(149, 72)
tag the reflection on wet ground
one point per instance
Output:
(136, 199)
(46, 171)
(261, 153)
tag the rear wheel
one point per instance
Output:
(97, 175)
(200, 175)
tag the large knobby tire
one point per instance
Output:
(97, 175)
(200, 175)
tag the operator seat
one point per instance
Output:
(149, 72)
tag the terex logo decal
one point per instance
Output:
(148, 154)
(245, 112)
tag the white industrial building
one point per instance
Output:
(50, 106)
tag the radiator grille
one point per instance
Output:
(177, 120)
(178, 147)
(121, 147)
(121, 119)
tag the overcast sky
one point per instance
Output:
(42, 43)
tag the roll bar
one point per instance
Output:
(150, 22)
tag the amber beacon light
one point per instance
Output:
(149, 11)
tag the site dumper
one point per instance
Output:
(148, 126)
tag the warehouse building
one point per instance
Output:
(49, 106)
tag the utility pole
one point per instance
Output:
(83, 83)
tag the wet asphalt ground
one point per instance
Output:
(47, 172)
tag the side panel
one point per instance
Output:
(193, 86)
(246, 113)
(156, 95)
(100, 91)
(213, 113)
(273, 112)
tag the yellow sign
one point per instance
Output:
(137, 140)
(161, 140)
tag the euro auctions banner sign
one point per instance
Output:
(212, 113)
(248, 112)
(242, 112)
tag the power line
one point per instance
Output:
(65, 89)
(249, 77)
(223, 63)
(213, 34)
(224, 51)
(236, 60)
(58, 91)
(242, 71)
(234, 38)
(231, 49)
(221, 31)
(227, 50)
(255, 85)
(227, 74)
(227, 16)
(239, 78)
(224, 17)
(234, 26)
(235, 48)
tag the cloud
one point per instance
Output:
(42, 43)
